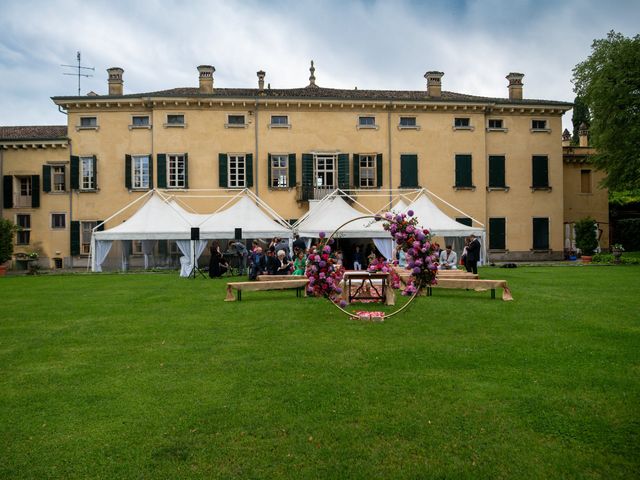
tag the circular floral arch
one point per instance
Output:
(325, 275)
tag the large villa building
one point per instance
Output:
(499, 160)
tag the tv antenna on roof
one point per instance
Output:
(79, 74)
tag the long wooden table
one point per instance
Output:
(298, 283)
(473, 284)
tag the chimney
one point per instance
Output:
(312, 77)
(515, 85)
(566, 138)
(206, 78)
(434, 83)
(261, 74)
(115, 80)
(583, 135)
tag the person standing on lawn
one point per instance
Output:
(473, 254)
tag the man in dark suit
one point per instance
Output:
(473, 254)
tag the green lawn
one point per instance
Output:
(153, 376)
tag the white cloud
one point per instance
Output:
(369, 44)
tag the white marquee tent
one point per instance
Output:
(162, 218)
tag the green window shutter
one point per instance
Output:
(222, 171)
(46, 178)
(7, 191)
(356, 170)
(127, 171)
(150, 172)
(408, 171)
(292, 170)
(307, 170)
(497, 234)
(540, 233)
(249, 169)
(496, 171)
(343, 171)
(75, 173)
(465, 221)
(379, 170)
(162, 170)
(75, 237)
(540, 171)
(35, 191)
(95, 172)
(463, 171)
(248, 166)
(269, 173)
(186, 170)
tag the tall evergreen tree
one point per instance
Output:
(580, 116)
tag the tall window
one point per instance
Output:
(23, 235)
(176, 166)
(87, 174)
(140, 171)
(541, 233)
(408, 171)
(585, 181)
(85, 236)
(279, 171)
(540, 171)
(58, 178)
(325, 171)
(496, 171)
(237, 171)
(367, 171)
(497, 234)
(25, 187)
(463, 171)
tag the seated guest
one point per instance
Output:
(448, 259)
(272, 263)
(257, 263)
(284, 265)
(300, 263)
(298, 243)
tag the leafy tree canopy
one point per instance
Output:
(609, 83)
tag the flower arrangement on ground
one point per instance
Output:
(421, 259)
(324, 273)
(382, 266)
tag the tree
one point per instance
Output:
(7, 231)
(580, 116)
(586, 239)
(609, 83)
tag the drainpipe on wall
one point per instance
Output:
(257, 159)
(390, 169)
(70, 205)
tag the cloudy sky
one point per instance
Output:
(365, 43)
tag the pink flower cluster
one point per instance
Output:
(419, 250)
(382, 266)
(323, 272)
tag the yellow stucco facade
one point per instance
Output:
(432, 127)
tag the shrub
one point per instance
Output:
(586, 239)
(608, 258)
(7, 231)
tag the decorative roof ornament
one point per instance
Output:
(312, 78)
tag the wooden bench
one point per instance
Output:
(268, 278)
(473, 284)
(299, 284)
